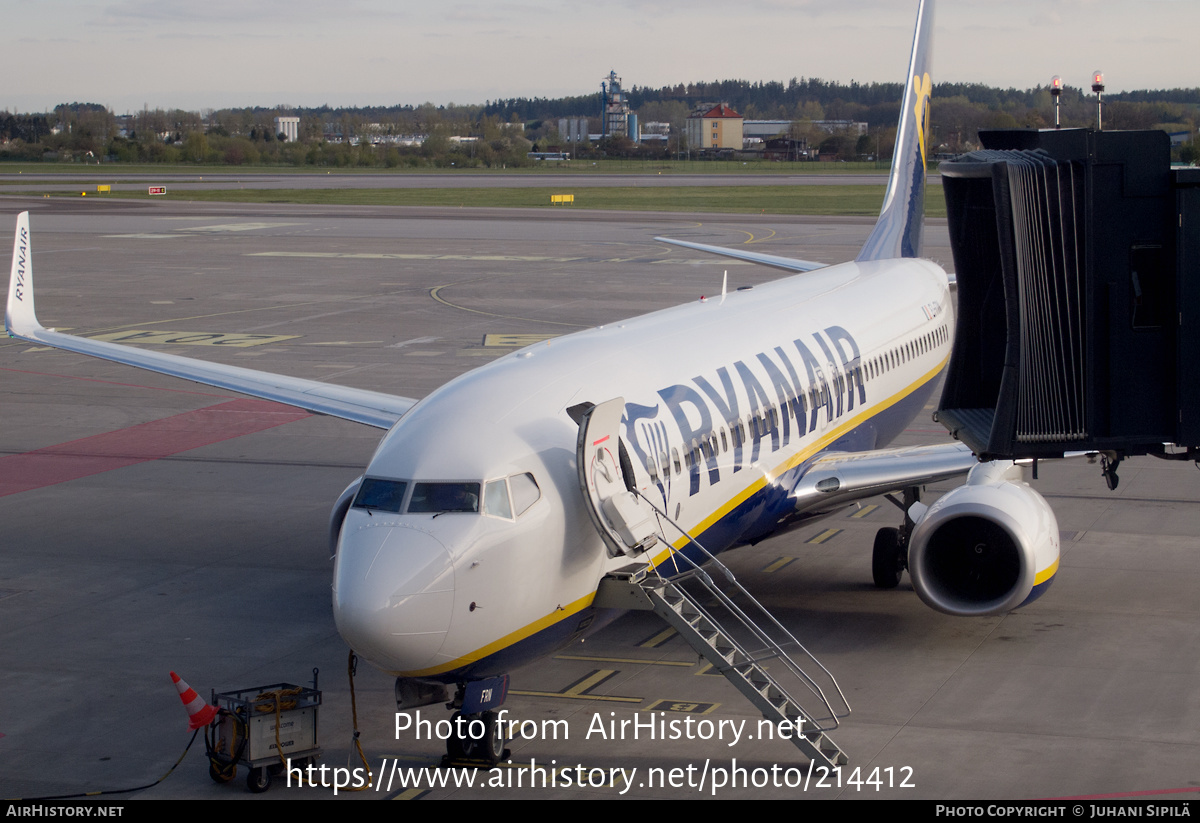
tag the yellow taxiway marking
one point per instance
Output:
(580, 688)
(623, 660)
(410, 794)
(752, 239)
(192, 338)
(864, 511)
(515, 340)
(779, 564)
(658, 639)
(824, 536)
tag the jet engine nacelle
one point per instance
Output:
(987, 547)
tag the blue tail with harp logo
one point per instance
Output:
(898, 232)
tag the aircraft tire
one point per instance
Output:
(887, 561)
(493, 743)
(489, 748)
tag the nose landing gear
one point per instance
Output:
(477, 739)
(478, 734)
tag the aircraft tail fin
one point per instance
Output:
(898, 232)
(19, 315)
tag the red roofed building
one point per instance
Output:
(718, 128)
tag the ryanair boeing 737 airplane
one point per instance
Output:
(496, 512)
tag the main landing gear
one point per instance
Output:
(889, 557)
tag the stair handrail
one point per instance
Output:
(745, 619)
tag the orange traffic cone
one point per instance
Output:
(200, 714)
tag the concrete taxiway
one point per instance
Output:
(86, 180)
(152, 525)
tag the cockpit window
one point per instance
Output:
(495, 499)
(383, 495)
(444, 497)
(525, 492)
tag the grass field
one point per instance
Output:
(830, 200)
(603, 166)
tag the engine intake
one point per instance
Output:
(987, 547)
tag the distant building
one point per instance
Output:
(573, 130)
(718, 128)
(833, 126)
(765, 128)
(615, 117)
(655, 132)
(289, 127)
(773, 128)
(785, 148)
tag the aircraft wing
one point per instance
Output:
(372, 408)
(785, 263)
(837, 478)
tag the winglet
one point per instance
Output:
(19, 317)
(369, 407)
(898, 232)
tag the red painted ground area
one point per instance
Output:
(138, 444)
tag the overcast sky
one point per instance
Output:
(196, 54)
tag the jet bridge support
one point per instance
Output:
(1077, 256)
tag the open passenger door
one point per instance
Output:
(609, 480)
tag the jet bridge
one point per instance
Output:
(1076, 254)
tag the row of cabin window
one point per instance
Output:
(760, 425)
(817, 396)
(909, 351)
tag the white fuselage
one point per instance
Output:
(727, 400)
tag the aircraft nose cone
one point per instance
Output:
(393, 591)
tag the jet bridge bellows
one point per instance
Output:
(1076, 257)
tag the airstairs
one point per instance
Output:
(752, 649)
(757, 655)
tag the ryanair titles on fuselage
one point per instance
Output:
(753, 407)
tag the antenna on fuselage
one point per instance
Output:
(724, 284)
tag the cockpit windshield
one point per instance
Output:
(444, 497)
(423, 497)
(382, 495)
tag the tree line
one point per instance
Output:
(504, 131)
